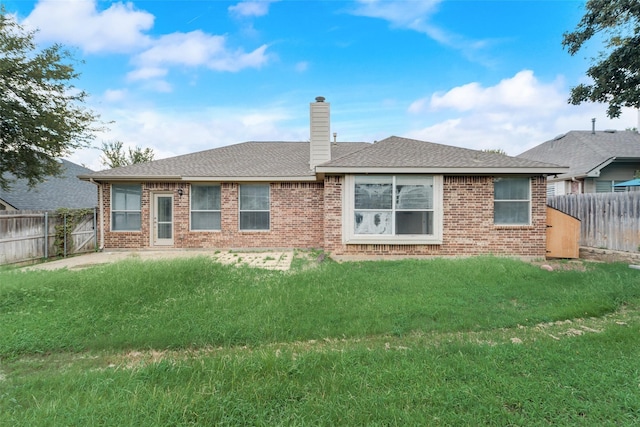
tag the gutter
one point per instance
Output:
(133, 178)
(443, 170)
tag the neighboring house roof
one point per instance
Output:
(64, 191)
(585, 152)
(410, 155)
(290, 161)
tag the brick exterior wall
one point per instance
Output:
(468, 227)
(296, 219)
(309, 215)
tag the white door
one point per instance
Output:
(162, 220)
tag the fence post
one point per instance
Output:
(46, 235)
(95, 229)
(64, 229)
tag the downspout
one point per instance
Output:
(100, 214)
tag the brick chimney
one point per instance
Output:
(320, 142)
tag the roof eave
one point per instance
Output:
(250, 178)
(595, 172)
(146, 178)
(443, 170)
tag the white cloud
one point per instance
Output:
(522, 91)
(172, 133)
(416, 16)
(115, 95)
(514, 115)
(302, 66)
(146, 73)
(197, 48)
(120, 28)
(251, 8)
(409, 14)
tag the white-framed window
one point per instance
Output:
(126, 207)
(393, 209)
(254, 207)
(205, 207)
(512, 201)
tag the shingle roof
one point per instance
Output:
(290, 160)
(584, 151)
(244, 160)
(397, 152)
(65, 191)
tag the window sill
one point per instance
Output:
(512, 227)
(392, 241)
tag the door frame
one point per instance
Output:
(154, 242)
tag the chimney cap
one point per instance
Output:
(319, 98)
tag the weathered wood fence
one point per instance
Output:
(608, 220)
(31, 235)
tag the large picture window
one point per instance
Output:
(512, 201)
(254, 207)
(394, 208)
(205, 207)
(126, 205)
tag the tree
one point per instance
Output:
(495, 151)
(42, 116)
(616, 73)
(114, 156)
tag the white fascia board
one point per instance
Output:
(444, 171)
(595, 172)
(129, 178)
(134, 178)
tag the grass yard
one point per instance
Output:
(478, 341)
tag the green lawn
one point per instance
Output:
(479, 341)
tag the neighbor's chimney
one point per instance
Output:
(320, 146)
(593, 126)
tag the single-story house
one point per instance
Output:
(597, 160)
(392, 197)
(63, 191)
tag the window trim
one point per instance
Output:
(528, 201)
(240, 210)
(191, 210)
(113, 211)
(348, 216)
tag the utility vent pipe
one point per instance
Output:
(593, 126)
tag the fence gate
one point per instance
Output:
(563, 235)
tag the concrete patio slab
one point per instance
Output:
(271, 260)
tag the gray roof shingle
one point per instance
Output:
(397, 152)
(290, 160)
(64, 191)
(245, 160)
(584, 151)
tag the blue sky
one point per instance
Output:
(185, 76)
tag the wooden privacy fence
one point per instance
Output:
(608, 220)
(32, 235)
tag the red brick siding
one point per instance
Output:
(309, 215)
(296, 219)
(468, 227)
